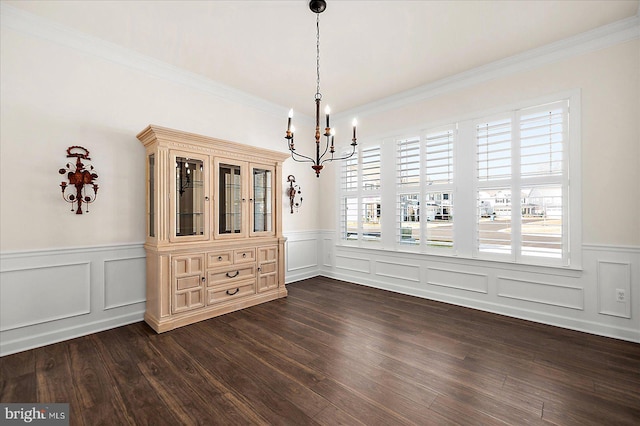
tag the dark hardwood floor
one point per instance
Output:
(336, 353)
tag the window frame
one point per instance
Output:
(465, 186)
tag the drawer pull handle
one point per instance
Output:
(219, 258)
(233, 276)
(244, 255)
(231, 294)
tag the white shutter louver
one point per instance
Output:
(371, 168)
(494, 150)
(408, 166)
(349, 174)
(542, 141)
(439, 157)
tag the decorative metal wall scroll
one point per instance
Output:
(80, 177)
(295, 193)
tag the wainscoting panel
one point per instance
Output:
(399, 271)
(540, 292)
(460, 280)
(118, 275)
(53, 295)
(42, 294)
(580, 299)
(354, 264)
(327, 251)
(301, 255)
(614, 288)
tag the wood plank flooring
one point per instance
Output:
(336, 353)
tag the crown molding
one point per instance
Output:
(596, 39)
(32, 25)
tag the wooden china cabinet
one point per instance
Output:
(214, 227)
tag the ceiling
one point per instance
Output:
(369, 50)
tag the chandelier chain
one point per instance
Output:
(318, 95)
(326, 155)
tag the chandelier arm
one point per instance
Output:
(326, 148)
(353, 151)
(306, 159)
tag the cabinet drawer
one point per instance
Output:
(228, 275)
(244, 255)
(219, 258)
(220, 294)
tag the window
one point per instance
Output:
(494, 188)
(349, 203)
(493, 170)
(439, 180)
(408, 168)
(522, 217)
(424, 181)
(361, 200)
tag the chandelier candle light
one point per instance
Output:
(317, 7)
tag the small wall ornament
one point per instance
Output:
(294, 192)
(80, 176)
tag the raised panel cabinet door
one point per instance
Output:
(189, 193)
(262, 200)
(188, 283)
(267, 268)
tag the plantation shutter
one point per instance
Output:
(494, 150)
(371, 168)
(542, 137)
(408, 163)
(349, 174)
(439, 157)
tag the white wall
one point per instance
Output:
(55, 96)
(60, 88)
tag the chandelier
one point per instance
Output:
(317, 7)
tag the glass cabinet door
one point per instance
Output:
(230, 199)
(262, 197)
(190, 196)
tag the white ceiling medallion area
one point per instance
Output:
(608, 35)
